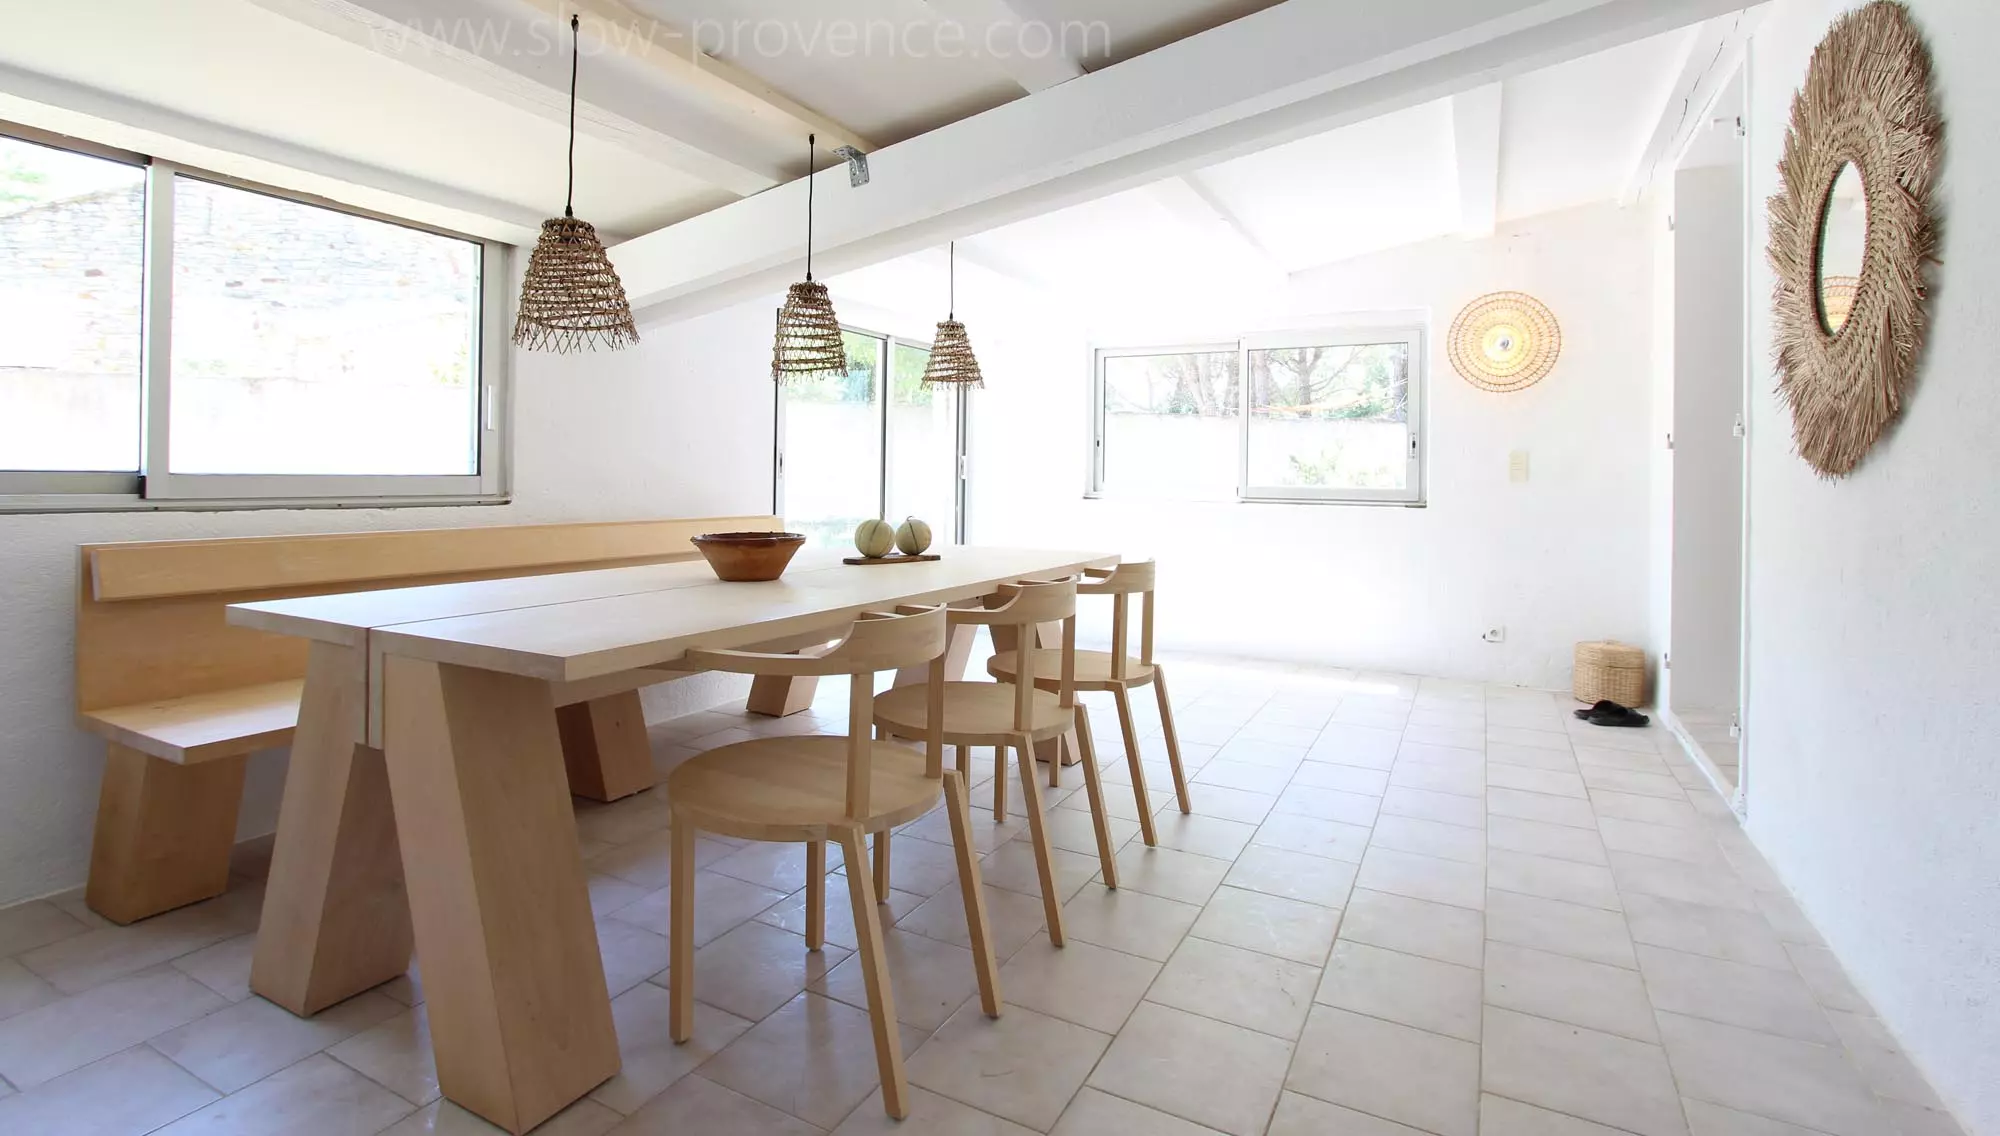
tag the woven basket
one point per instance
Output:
(1610, 670)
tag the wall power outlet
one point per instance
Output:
(1495, 635)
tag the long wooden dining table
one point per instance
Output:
(427, 795)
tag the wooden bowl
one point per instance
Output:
(749, 556)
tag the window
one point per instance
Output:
(846, 453)
(72, 230)
(1316, 416)
(173, 335)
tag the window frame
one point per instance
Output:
(963, 424)
(154, 487)
(1414, 333)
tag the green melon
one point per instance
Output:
(874, 539)
(913, 537)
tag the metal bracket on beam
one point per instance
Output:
(857, 166)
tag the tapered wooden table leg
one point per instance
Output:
(519, 1013)
(776, 696)
(336, 918)
(605, 748)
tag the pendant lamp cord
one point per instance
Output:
(569, 193)
(951, 274)
(812, 159)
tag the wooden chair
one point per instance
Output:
(1113, 671)
(1004, 715)
(814, 789)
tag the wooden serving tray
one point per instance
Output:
(897, 559)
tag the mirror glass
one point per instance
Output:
(1843, 238)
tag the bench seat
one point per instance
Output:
(203, 727)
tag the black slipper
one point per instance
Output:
(1604, 705)
(1617, 716)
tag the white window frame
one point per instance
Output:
(1413, 335)
(962, 490)
(1412, 492)
(154, 487)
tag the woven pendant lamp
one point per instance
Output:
(808, 341)
(952, 361)
(571, 297)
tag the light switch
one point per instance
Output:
(1517, 466)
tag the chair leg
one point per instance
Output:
(164, 833)
(958, 804)
(1000, 783)
(815, 894)
(1055, 765)
(1038, 834)
(1086, 752)
(680, 902)
(1133, 763)
(875, 974)
(1173, 738)
(882, 845)
(963, 754)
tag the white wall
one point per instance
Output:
(1872, 717)
(679, 426)
(1707, 629)
(1560, 558)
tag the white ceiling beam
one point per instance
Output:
(1032, 72)
(67, 107)
(1194, 204)
(1475, 138)
(1292, 70)
(677, 55)
(667, 102)
(1714, 53)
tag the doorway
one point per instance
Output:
(1704, 690)
(873, 441)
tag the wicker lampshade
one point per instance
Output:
(952, 361)
(571, 297)
(1505, 341)
(808, 340)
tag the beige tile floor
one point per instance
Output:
(1402, 906)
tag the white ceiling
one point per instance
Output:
(239, 65)
(1569, 135)
(311, 74)
(1377, 184)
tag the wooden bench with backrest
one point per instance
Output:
(183, 698)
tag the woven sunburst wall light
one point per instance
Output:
(571, 297)
(1504, 341)
(1846, 354)
(952, 362)
(808, 341)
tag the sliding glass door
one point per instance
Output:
(874, 442)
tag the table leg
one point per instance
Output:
(336, 920)
(520, 1015)
(776, 696)
(605, 748)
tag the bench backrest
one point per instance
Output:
(149, 614)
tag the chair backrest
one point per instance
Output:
(1121, 584)
(910, 636)
(1025, 607)
(149, 614)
